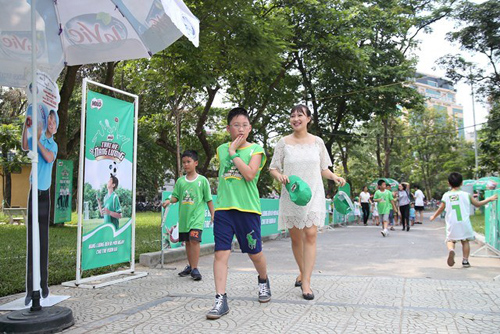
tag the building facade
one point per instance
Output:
(441, 95)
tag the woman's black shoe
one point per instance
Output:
(298, 283)
(307, 296)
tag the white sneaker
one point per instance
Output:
(383, 233)
(386, 232)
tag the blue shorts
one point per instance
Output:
(246, 227)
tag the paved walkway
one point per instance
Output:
(363, 283)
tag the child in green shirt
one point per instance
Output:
(192, 191)
(385, 202)
(112, 209)
(238, 208)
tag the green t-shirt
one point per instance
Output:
(112, 203)
(385, 206)
(192, 196)
(234, 192)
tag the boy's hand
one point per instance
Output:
(432, 218)
(236, 145)
(165, 204)
(493, 198)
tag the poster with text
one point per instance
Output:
(64, 189)
(108, 181)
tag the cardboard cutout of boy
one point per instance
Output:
(48, 122)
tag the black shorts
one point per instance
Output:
(192, 235)
(419, 208)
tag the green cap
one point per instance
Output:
(299, 191)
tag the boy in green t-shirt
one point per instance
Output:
(192, 191)
(111, 208)
(238, 208)
(384, 199)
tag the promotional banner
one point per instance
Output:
(108, 181)
(269, 219)
(64, 189)
(48, 102)
(492, 221)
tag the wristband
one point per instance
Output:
(236, 155)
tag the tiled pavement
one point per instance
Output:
(162, 302)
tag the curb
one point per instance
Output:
(153, 259)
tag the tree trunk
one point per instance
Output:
(6, 176)
(306, 81)
(379, 157)
(178, 142)
(7, 179)
(67, 88)
(200, 129)
(387, 147)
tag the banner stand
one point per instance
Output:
(101, 280)
(95, 282)
(488, 252)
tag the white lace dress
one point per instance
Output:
(306, 161)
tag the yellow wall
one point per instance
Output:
(20, 187)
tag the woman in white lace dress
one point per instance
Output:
(304, 155)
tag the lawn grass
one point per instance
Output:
(477, 221)
(62, 251)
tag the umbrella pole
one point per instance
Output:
(37, 320)
(35, 235)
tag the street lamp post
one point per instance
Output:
(474, 120)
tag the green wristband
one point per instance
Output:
(236, 155)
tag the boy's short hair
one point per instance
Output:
(380, 182)
(455, 179)
(53, 113)
(115, 181)
(237, 112)
(190, 154)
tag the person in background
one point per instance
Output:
(357, 210)
(458, 226)
(403, 197)
(412, 214)
(419, 204)
(365, 201)
(385, 202)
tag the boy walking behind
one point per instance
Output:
(238, 208)
(385, 202)
(458, 226)
(192, 191)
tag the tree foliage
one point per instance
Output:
(349, 61)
